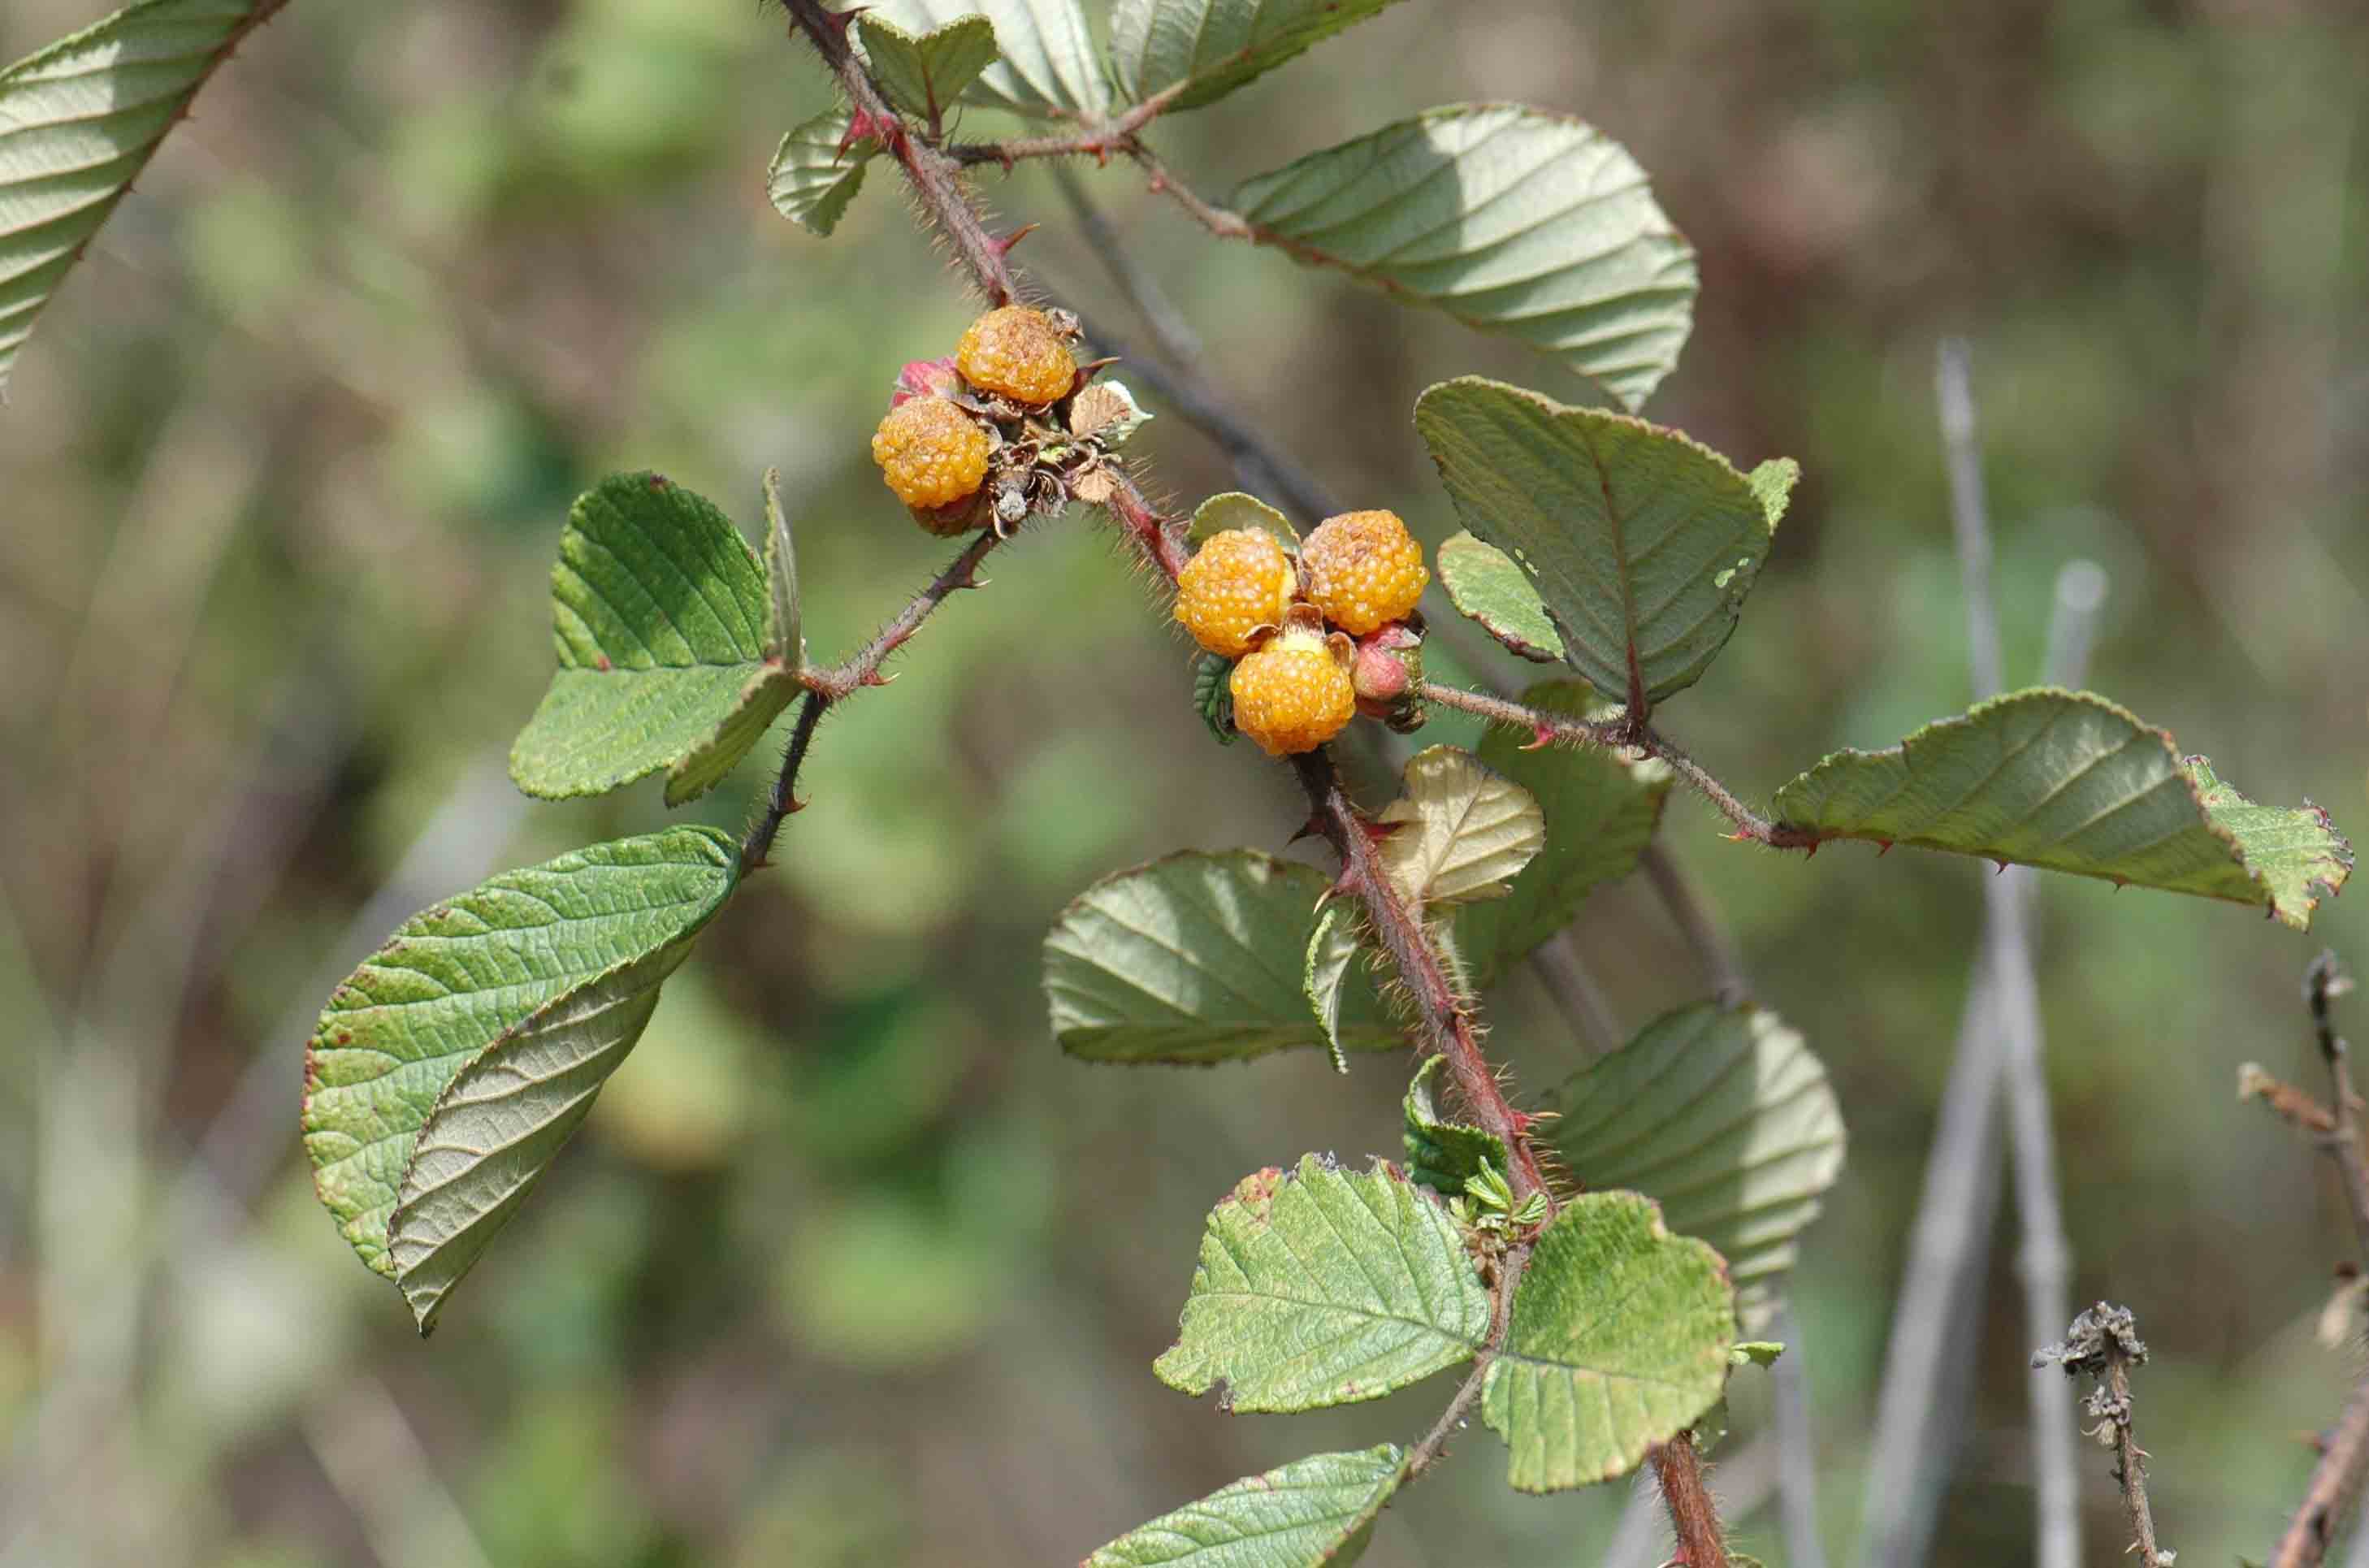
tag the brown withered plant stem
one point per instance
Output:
(2344, 1451)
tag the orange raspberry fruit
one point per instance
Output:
(1292, 695)
(1364, 570)
(932, 453)
(1018, 352)
(1237, 582)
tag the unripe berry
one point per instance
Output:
(1364, 569)
(1018, 352)
(1237, 582)
(932, 453)
(1293, 694)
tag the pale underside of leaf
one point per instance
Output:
(1601, 812)
(1462, 831)
(1619, 1340)
(811, 179)
(1487, 586)
(1217, 46)
(78, 122)
(1050, 65)
(1639, 543)
(1510, 219)
(503, 1120)
(785, 646)
(1323, 1288)
(1235, 510)
(2069, 782)
(1726, 1118)
(925, 75)
(1313, 1513)
(1196, 959)
(664, 625)
(1332, 951)
(456, 978)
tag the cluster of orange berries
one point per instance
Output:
(1311, 637)
(933, 447)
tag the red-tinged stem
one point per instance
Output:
(1117, 134)
(1442, 1019)
(1618, 733)
(1218, 221)
(1694, 1519)
(935, 178)
(1161, 539)
(835, 684)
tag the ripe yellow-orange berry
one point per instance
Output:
(1364, 569)
(932, 453)
(1018, 352)
(1292, 695)
(1237, 582)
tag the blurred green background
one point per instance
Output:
(851, 1267)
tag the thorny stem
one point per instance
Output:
(1694, 1519)
(2323, 982)
(1445, 1022)
(1216, 220)
(936, 180)
(2130, 1466)
(2104, 1344)
(2344, 1453)
(1618, 733)
(835, 684)
(1098, 141)
(1424, 1454)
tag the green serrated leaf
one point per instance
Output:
(1462, 831)
(1188, 959)
(1324, 974)
(1215, 46)
(2295, 854)
(663, 621)
(1441, 1154)
(1486, 586)
(78, 122)
(784, 646)
(1325, 1287)
(1724, 1117)
(1601, 811)
(1213, 695)
(1313, 1513)
(1511, 220)
(2067, 781)
(1640, 544)
(1619, 1340)
(448, 1069)
(1235, 510)
(1049, 64)
(811, 180)
(925, 74)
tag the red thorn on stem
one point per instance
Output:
(2002, 869)
(1003, 247)
(1811, 852)
(1884, 848)
(1541, 737)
